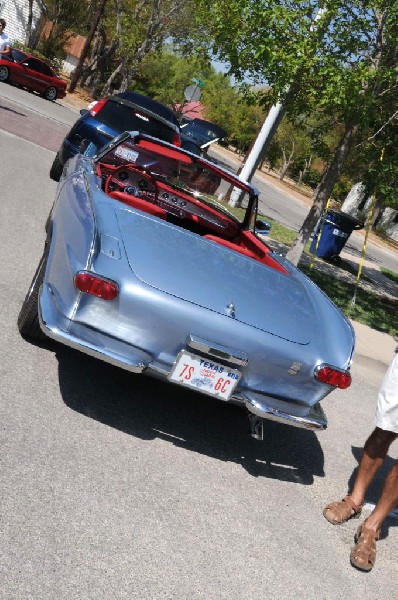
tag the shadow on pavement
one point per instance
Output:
(148, 409)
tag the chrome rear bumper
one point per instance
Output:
(315, 419)
(120, 354)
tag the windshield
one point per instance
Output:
(17, 55)
(120, 117)
(175, 170)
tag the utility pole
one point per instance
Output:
(264, 137)
(259, 149)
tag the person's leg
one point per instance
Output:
(363, 555)
(387, 501)
(374, 453)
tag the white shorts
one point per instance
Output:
(387, 399)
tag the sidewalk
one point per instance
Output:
(373, 352)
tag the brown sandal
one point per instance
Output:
(363, 555)
(341, 511)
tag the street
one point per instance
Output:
(118, 486)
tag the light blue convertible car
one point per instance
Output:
(146, 267)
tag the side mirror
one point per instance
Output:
(262, 227)
(83, 111)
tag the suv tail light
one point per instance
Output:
(333, 376)
(176, 139)
(93, 284)
(95, 107)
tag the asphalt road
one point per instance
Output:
(118, 486)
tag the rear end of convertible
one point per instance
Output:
(152, 297)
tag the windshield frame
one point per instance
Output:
(189, 160)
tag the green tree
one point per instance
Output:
(140, 29)
(294, 145)
(164, 75)
(97, 15)
(65, 17)
(344, 65)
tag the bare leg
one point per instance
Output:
(363, 555)
(373, 456)
(374, 453)
(387, 501)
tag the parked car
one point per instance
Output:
(144, 267)
(33, 73)
(104, 119)
(200, 134)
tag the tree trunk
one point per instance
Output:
(322, 193)
(106, 89)
(79, 67)
(355, 197)
(307, 164)
(28, 33)
(378, 208)
(286, 162)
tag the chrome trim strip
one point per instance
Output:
(217, 351)
(315, 420)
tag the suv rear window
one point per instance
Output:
(124, 118)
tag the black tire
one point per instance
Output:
(56, 169)
(28, 318)
(4, 73)
(50, 93)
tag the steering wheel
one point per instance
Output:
(133, 180)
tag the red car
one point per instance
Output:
(33, 73)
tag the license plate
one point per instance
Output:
(205, 375)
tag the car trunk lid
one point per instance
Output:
(197, 270)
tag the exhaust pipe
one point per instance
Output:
(256, 426)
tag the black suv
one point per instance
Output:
(106, 118)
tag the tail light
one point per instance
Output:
(93, 284)
(177, 139)
(95, 107)
(333, 376)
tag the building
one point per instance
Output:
(16, 15)
(73, 48)
(191, 110)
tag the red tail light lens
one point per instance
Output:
(89, 283)
(332, 376)
(95, 107)
(177, 139)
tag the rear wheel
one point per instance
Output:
(28, 318)
(4, 73)
(50, 94)
(56, 169)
